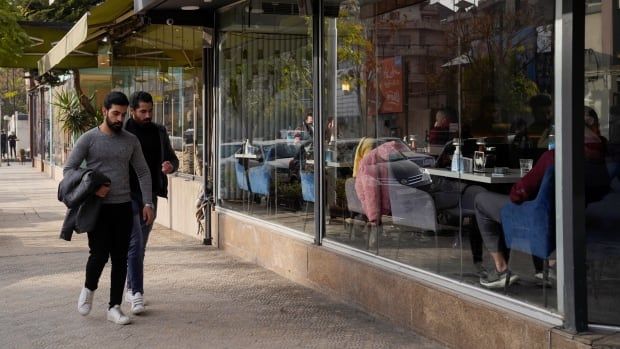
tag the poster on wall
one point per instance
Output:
(391, 85)
(390, 90)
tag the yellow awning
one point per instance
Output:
(43, 36)
(89, 27)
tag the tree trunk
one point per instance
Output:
(84, 100)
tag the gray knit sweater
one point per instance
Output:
(112, 155)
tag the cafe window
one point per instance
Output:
(265, 114)
(166, 61)
(602, 160)
(440, 167)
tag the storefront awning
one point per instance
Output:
(43, 36)
(91, 26)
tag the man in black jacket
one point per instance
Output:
(161, 161)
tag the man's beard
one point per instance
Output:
(117, 127)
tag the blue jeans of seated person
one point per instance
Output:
(137, 246)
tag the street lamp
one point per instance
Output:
(7, 119)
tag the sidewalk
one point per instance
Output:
(197, 296)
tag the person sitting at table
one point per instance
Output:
(488, 205)
(440, 132)
(542, 111)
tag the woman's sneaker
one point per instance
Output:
(496, 279)
(85, 301)
(115, 314)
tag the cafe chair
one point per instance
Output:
(260, 182)
(356, 210)
(467, 212)
(242, 183)
(416, 209)
(529, 227)
(307, 191)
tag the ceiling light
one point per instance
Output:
(190, 8)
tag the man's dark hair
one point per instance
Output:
(540, 100)
(115, 97)
(139, 96)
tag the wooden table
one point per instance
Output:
(513, 175)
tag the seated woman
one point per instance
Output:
(489, 204)
(440, 132)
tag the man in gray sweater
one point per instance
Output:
(111, 151)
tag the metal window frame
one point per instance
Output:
(569, 159)
(317, 102)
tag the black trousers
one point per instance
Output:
(110, 238)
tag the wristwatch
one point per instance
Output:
(149, 205)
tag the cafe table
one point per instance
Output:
(335, 164)
(488, 177)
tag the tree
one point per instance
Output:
(13, 39)
(59, 11)
(496, 47)
(12, 91)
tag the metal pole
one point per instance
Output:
(569, 160)
(208, 117)
(317, 91)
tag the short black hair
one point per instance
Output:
(139, 96)
(115, 97)
(541, 100)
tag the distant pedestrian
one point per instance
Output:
(3, 144)
(161, 161)
(111, 150)
(12, 143)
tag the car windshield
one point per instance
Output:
(280, 151)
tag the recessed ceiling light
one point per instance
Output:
(190, 8)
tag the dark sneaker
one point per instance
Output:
(496, 279)
(481, 270)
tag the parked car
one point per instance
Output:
(344, 151)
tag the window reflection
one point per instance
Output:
(266, 124)
(601, 148)
(166, 61)
(416, 96)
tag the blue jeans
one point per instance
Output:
(137, 245)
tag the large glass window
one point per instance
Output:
(439, 123)
(265, 112)
(602, 159)
(166, 61)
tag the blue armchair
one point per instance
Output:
(307, 191)
(260, 181)
(242, 181)
(529, 227)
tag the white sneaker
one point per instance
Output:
(115, 314)
(128, 296)
(85, 301)
(137, 303)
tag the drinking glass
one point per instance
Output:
(525, 165)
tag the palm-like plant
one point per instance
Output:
(74, 120)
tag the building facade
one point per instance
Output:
(377, 150)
